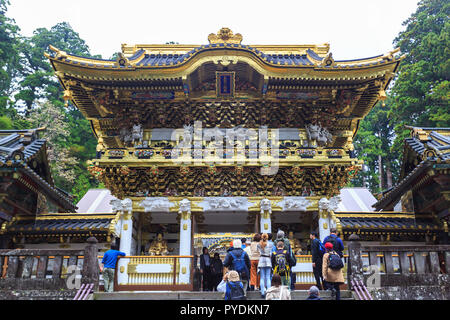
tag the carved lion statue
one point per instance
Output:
(266, 205)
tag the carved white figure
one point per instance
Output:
(266, 205)
(312, 132)
(116, 205)
(325, 137)
(125, 135)
(298, 204)
(137, 133)
(324, 204)
(185, 206)
(225, 203)
(122, 205)
(187, 136)
(155, 204)
(334, 203)
(127, 205)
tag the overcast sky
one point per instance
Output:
(354, 28)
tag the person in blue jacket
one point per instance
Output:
(108, 267)
(337, 243)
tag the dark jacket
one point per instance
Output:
(228, 262)
(202, 261)
(339, 244)
(217, 266)
(316, 254)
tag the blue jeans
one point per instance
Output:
(265, 281)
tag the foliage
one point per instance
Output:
(421, 92)
(61, 162)
(8, 54)
(419, 96)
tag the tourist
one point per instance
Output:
(281, 237)
(270, 237)
(332, 270)
(313, 293)
(277, 291)
(281, 264)
(287, 246)
(232, 286)
(317, 251)
(244, 243)
(239, 261)
(254, 259)
(264, 264)
(108, 266)
(337, 243)
(216, 271)
(205, 269)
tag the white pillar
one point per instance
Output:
(126, 236)
(185, 241)
(324, 226)
(324, 219)
(266, 211)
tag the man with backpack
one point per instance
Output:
(332, 270)
(238, 260)
(337, 243)
(232, 286)
(317, 252)
(281, 264)
(287, 246)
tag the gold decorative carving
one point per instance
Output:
(225, 35)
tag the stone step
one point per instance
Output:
(188, 295)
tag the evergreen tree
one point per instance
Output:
(421, 92)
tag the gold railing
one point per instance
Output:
(157, 270)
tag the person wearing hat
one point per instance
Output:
(332, 278)
(313, 293)
(232, 286)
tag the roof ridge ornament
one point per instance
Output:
(225, 35)
(328, 61)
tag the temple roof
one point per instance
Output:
(18, 149)
(394, 221)
(59, 223)
(425, 148)
(174, 60)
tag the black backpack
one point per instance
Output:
(333, 241)
(282, 266)
(335, 261)
(236, 292)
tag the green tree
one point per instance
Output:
(37, 80)
(8, 56)
(373, 144)
(36, 83)
(420, 95)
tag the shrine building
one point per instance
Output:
(213, 142)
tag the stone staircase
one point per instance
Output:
(188, 295)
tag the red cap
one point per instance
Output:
(328, 246)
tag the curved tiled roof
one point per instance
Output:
(143, 59)
(58, 223)
(397, 221)
(26, 145)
